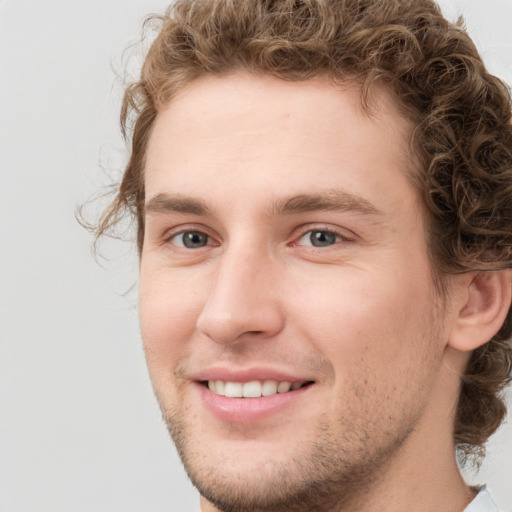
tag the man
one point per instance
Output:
(323, 196)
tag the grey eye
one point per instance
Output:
(319, 238)
(191, 239)
(322, 238)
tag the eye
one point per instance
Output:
(190, 239)
(319, 238)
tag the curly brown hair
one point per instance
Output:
(462, 141)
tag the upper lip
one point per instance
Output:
(248, 374)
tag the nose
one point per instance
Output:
(242, 302)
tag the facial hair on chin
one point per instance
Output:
(332, 472)
(317, 481)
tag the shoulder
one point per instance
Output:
(482, 502)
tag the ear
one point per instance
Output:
(482, 301)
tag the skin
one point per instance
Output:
(360, 317)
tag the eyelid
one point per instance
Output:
(182, 245)
(345, 234)
(179, 230)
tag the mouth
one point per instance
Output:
(253, 388)
(246, 398)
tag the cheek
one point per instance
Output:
(359, 315)
(168, 316)
(377, 334)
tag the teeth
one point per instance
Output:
(252, 389)
(269, 388)
(220, 387)
(284, 387)
(233, 390)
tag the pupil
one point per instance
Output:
(194, 239)
(322, 238)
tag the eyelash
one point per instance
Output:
(172, 236)
(338, 238)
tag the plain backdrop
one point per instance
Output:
(80, 430)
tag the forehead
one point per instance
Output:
(235, 129)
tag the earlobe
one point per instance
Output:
(485, 298)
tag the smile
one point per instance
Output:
(252, 401)
(252, 389)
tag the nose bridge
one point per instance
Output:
(241, 298)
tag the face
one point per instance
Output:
(287, 307)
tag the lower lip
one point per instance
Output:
(248, 410)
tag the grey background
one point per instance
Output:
(79, 427)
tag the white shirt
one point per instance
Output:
(482, 503)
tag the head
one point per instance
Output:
(400, 65)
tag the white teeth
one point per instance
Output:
(217, 386)
(284, 387)
(269, 388)
(252, 389)
(233, 390)
(220, 387)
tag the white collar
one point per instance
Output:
(482, 502)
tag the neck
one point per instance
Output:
(428, 480)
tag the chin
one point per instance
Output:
(264, 476)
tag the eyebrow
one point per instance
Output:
(165, 203)
(330, 200)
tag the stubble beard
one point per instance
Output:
(325, 476)
(334, 471)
